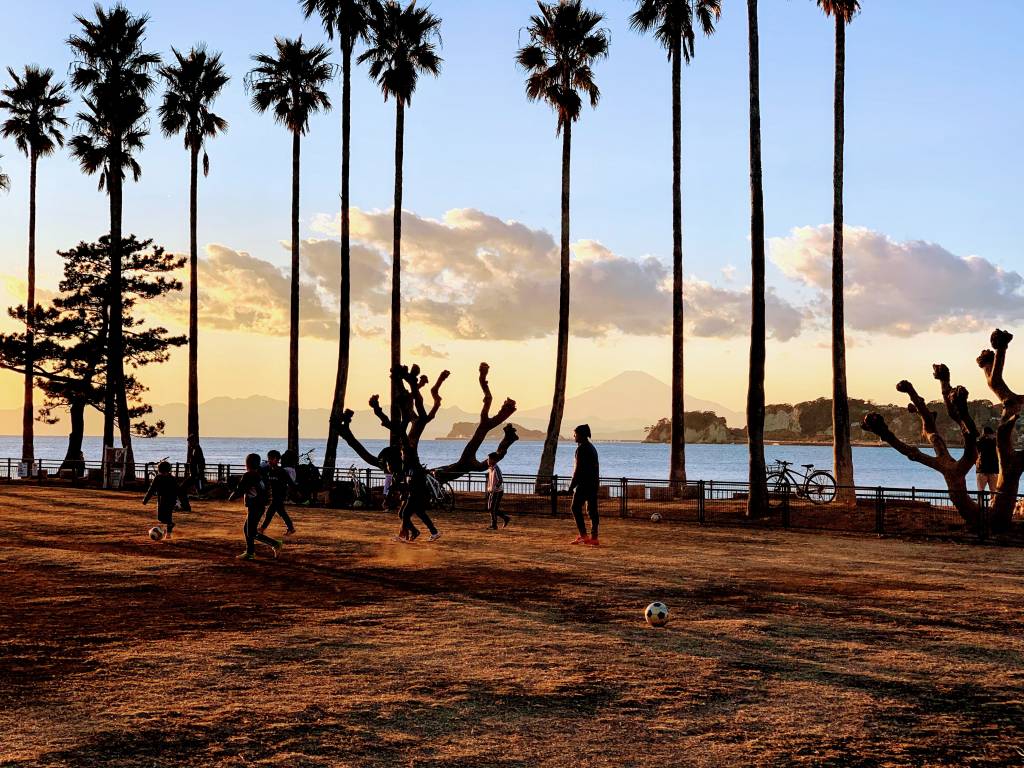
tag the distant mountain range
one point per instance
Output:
(619, 409)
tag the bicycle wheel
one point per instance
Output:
(820, 487)
(448, 497)
(778, 489)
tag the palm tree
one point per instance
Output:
(843, 12)
(403, 45)
(756, 499)
(34, 103)
(565, 41)
(114, 75)
(193, 84)
(291, 84)
(349, 20)
(672, 22)
(5, 180)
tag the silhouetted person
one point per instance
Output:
(278, 481)
(586, 473)
(252, 488)
(167, 491)
(196, 463)
(987, 465)
(495, 492)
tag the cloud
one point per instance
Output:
(901, 288)
(475, 276)
(240, 292)
(425, 350)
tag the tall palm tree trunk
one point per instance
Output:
(28, 413)
(677, 460)
(755, 385)
(341, 380)
(193, 298)
(841, 453)
(547, 457)
(114, 301)
(293, 340)
(396, 272)
(115, 364)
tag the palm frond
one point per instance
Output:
(34, 104)
(291, 84)
(403, 45)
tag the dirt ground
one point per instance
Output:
(495, 649)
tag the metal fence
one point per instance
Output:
(877, 510)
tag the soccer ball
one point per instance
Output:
(156, 533)
(656, 517)
(657, 614)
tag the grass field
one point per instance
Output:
(495, 649)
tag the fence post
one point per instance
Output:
(368, 476)
(623, 500)
(554, 495)
(983, 515)
(880, 509)
(913, 493)
(785, 510)
(700, 502)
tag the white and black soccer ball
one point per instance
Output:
(657, 614)
(656, 517)
(156, 533)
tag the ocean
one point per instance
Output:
(873, 465)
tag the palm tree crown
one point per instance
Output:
(115, 74)
(193, 84)
(34, 104)
(291, 83)
(403, 44)
(673, 20)
(5, 180)
(844, 9)
(565, 41)
(348, 19)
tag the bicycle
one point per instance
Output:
(307, 479)
(441, 495)
(360, 493)
(817, 487)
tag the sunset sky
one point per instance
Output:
(933, 185)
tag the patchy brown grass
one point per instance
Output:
(495, 649)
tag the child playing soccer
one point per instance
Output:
(252, 488)
(165, 488)
(278, 481)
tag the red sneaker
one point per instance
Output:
(591, 543)
(581, 540)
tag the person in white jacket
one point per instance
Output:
(495, 490)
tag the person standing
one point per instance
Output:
(987, 465)
(495, 492)
(196, 463)
(586, 475)
(278, 482)
(252, 488)
(415, 497)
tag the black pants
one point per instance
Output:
(414, 508)
(588, 497)
(277, 507)
(252, 534)
(165, 514)
(494, 507)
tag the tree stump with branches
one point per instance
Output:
(414, 416)
(955, 470)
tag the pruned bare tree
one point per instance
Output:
(954, 470)
(414, 417)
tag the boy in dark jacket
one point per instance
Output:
(252, 488)
(168, 493)
(278, 481)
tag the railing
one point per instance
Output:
(876, 510)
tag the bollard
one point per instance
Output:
(879, 511)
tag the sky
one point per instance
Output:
(933, 164)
